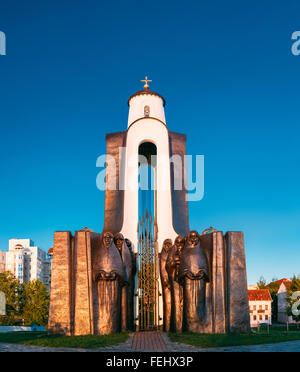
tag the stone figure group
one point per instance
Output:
(203, 284)
(192, 300)
(184, 274)
(113, 281)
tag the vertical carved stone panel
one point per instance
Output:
(238, 306)
(215, 321)
(218, 279)
(207, 245)
(60, 312)
(177, 142)
(114, 199)
(83, 316)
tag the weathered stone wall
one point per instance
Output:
(237, 291)
(114, 199)
(216, 291)
(83, 306)
(226, 292)
(60, 312)
(219, 283)
(177, 142)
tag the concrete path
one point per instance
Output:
(148, 341)
(290, 346)
(158, 342)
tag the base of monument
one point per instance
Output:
(73, 307)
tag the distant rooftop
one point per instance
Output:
(259, 295)
(285, 281)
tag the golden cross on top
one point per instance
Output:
(146, 86)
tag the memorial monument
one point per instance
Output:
(147, 270)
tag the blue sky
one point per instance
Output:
(231, 84)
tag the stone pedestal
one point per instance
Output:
(74, 307)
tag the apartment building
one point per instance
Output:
(27, 262)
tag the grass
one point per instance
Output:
(277, 334)
(43, 339)
(278, 328)
(220, 340)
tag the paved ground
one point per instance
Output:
(148, 341)
(290, 346)
(158, 342)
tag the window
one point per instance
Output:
(147, 111)
(266, 317)
(254, 307)
(267, 307)
(254, 317)
(260, 317)
(260, 307)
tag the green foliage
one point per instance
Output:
(36, 303)
(274, 306)
(13, 291)
(261, 284)
(234, 339)
(294, 303)
(29, 301)
(273, 287)
(42, 339)
(8, 320)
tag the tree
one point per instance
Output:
(36, 303)
(12, 289)
(293, 299)
(261, 284)
(273, 288)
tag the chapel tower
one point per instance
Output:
(147, 135)
(134, 275)
(146, 207)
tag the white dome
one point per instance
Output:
(145, 104)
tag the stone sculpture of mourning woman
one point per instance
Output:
(172, 267)
(166, 288)
(193, 274)
(132, 285)
(108, 277)
(127, 260)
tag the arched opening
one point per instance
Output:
(149, 151)
(147, 233)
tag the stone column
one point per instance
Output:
(213, 246)
(238, 306)
(83, 317)
(218, 280)
(60, 312)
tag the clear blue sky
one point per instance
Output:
(230, 81)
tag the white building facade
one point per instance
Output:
(27, 262)
(260, 307)
(282, 316)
